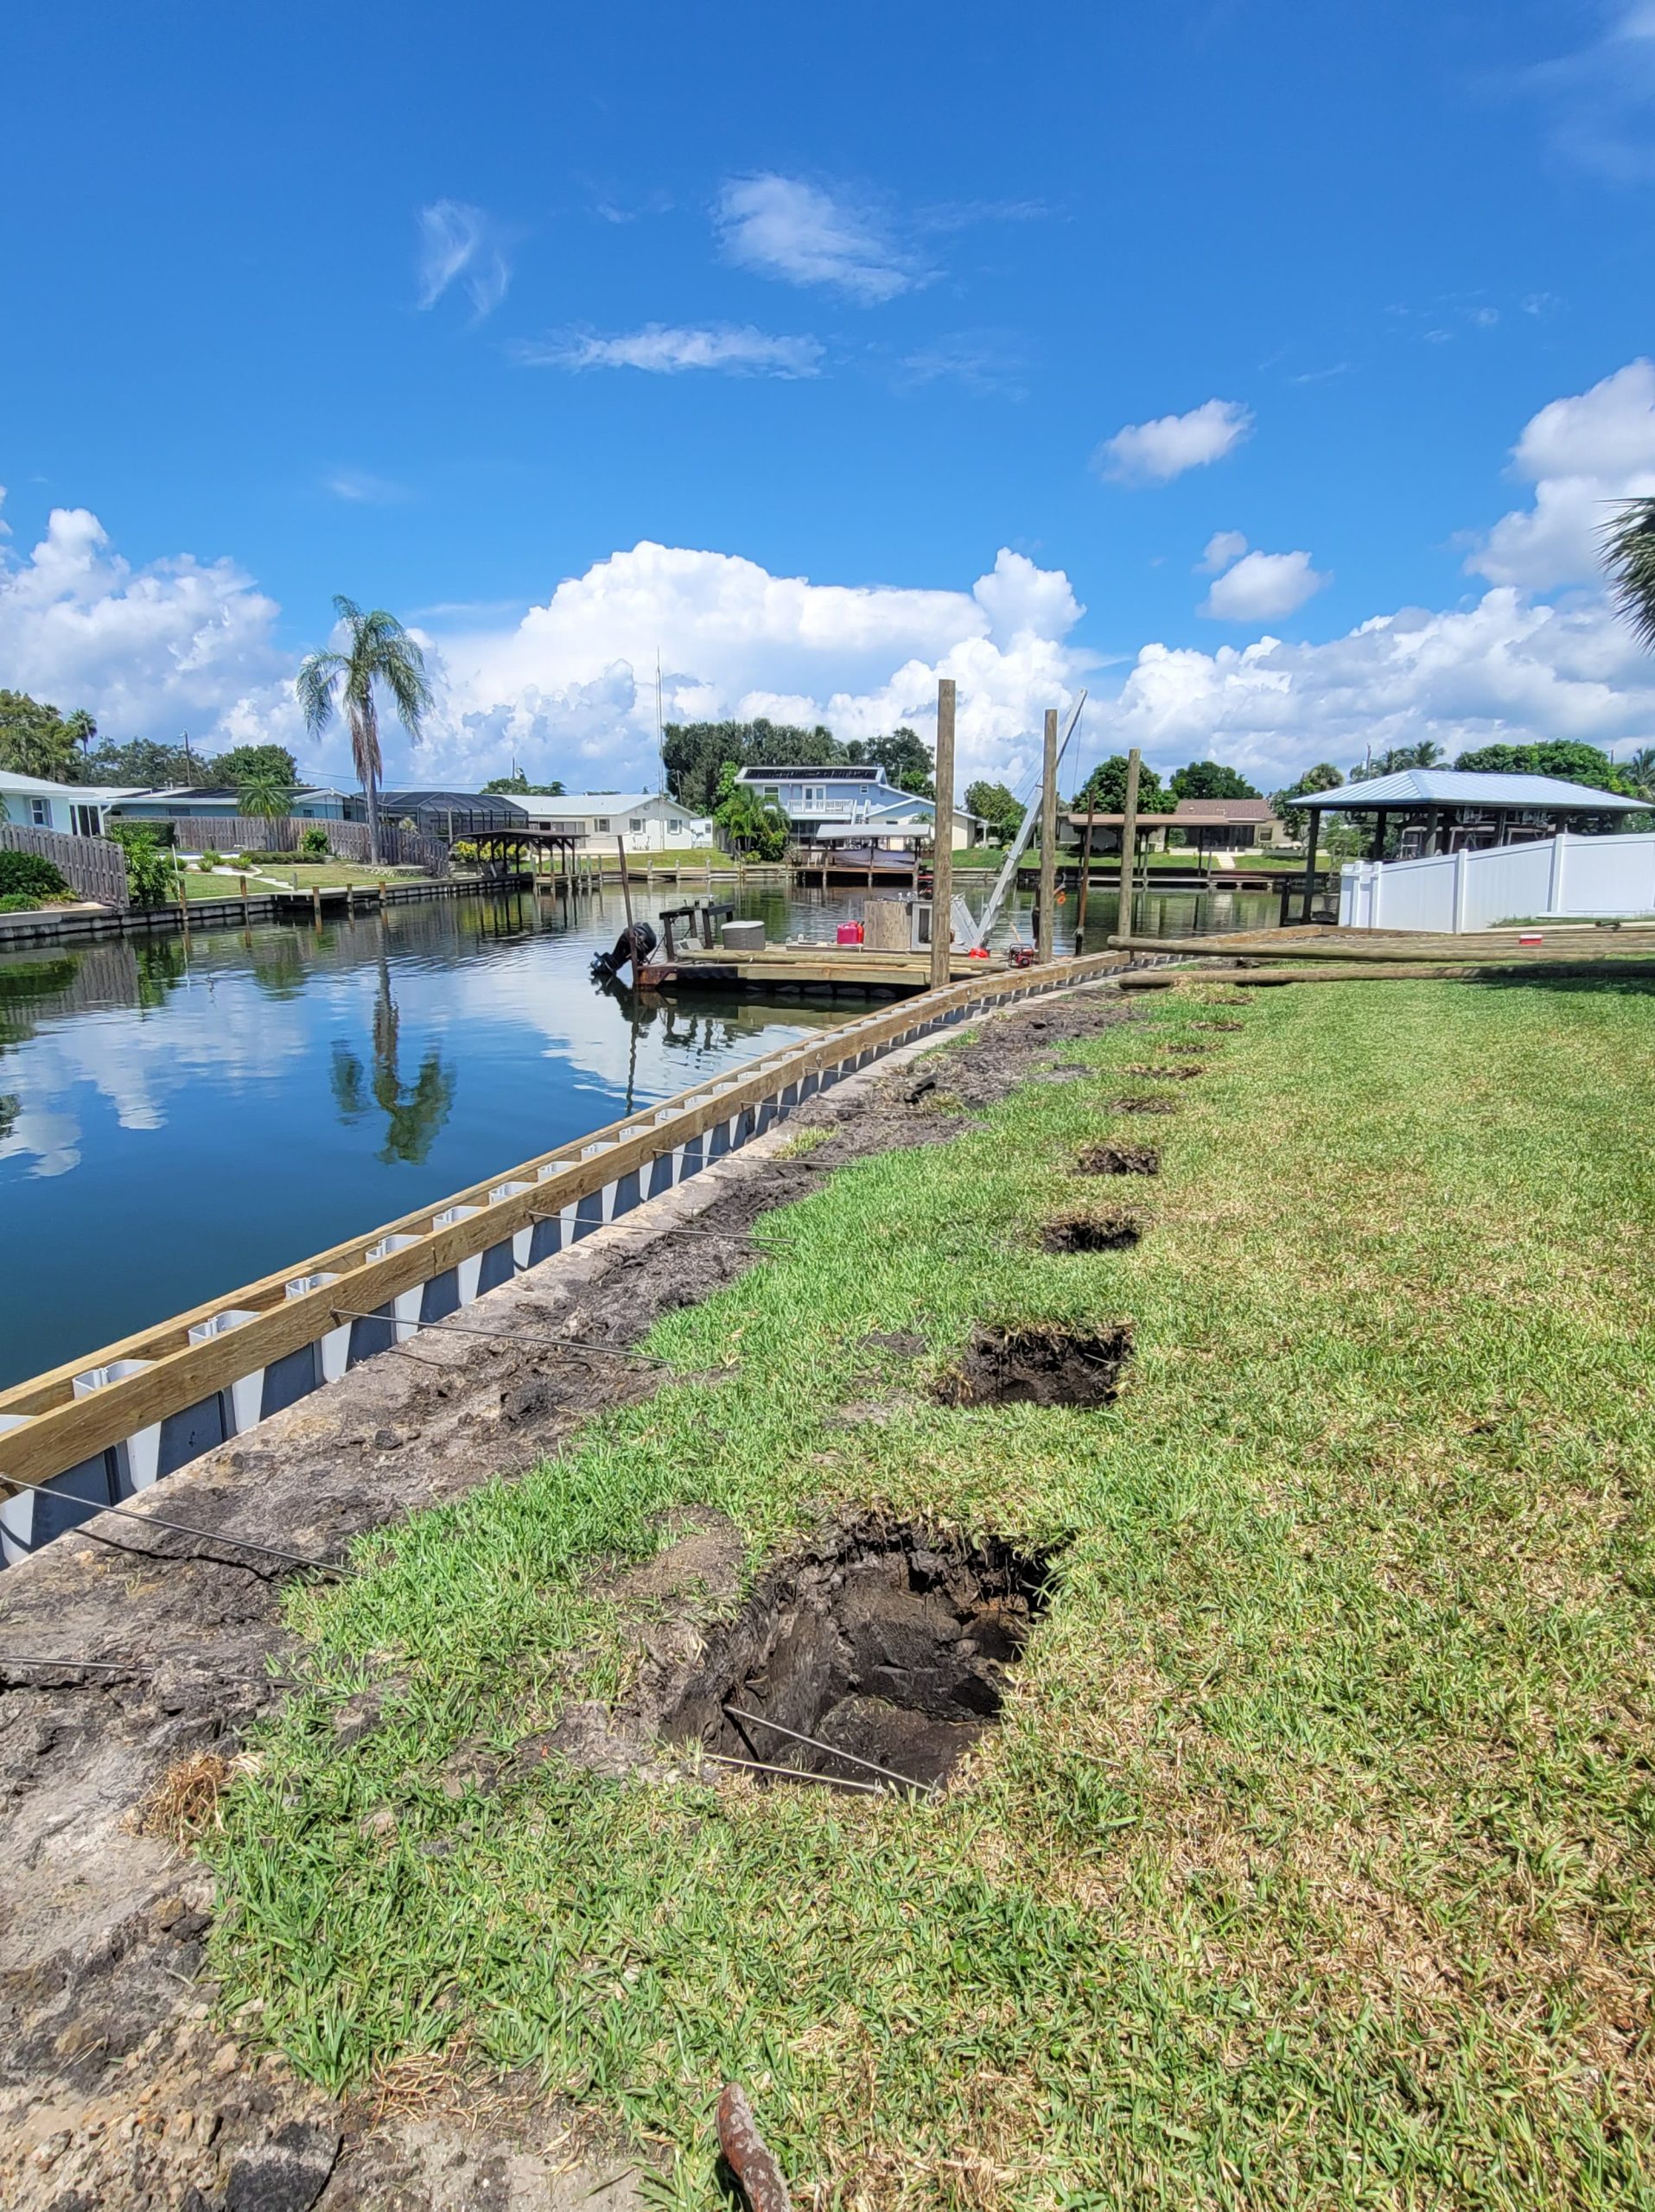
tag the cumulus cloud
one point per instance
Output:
(462, 245)
(1583, 454)
(179, 644)
(1154, 453)
(1223, 547)
(666, 350)
(1263, 587)
(781, 226)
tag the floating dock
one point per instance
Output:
(829, 967)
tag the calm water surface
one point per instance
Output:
(176, 1121)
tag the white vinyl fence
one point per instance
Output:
(1558, 877)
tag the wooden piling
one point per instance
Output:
(1048, 841)
(1129, 841)
(942, 842)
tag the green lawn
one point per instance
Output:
(287, 875)
(1312, 1862)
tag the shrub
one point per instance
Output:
(149, 876)
(30, 876)
(18, 902)
(313, 843)
(209, 860)
(464, 852)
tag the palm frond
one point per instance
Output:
(318, 673)
(1628, 542)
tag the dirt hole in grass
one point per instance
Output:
(1180, 1073)
(1091, 1232)
(1039, 1367)
(1118, 1159)
(1222, 1024)
(1144, 1105)
(889, 1642)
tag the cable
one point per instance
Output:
(184, 1529)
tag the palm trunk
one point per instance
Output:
(371, 786)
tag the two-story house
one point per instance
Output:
(853, 806)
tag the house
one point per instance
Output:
(854, 805)
(75, 810)
(184, 803)
(645, 822)
(1228, 825)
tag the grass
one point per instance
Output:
(262, 876)
(1311, 1864)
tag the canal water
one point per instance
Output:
(179, 1118)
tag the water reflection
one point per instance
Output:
(414, 1112)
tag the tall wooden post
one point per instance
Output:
(1048, 840)
(625, 888)
(1085, 879)
(1128, 844)
(942, 842)
(1310, 860)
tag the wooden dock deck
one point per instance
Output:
(829, 967)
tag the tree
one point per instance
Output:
(1324, 777)
(145, 763)
(266, 794)
(1426, 754)
(1638, 773)
(695, 754)
(998, 808)
(1561, 757)
(517, 786)
(1209, 780)
(36, 741)
(151, 871)
(381, 654)
(1628, 543)
(907, 759)
(750, 823)
(247, 764)
(1105, 789)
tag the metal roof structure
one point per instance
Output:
(1223, 811)
(1470, 789)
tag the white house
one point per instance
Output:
(644, 821)
(853, 806)
(76, 810)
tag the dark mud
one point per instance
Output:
(1091, 1232)
(117, 2085)
(1039, 1367)
(1118, 1159)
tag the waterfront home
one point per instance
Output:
(854, 805)
(75, 810)
(645, 822)
(1228, 825)
(184, 804)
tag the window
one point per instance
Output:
(600, 822)
(636, 825)
(677, 828)
(815, 797)
(771, 790)
(40, 813)
(83, 820)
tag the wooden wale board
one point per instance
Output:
(849, 965)
(107, 1416)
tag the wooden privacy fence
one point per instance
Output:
(102, 1427)
(93, 867)
(284, 833)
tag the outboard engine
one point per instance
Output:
(632, 948)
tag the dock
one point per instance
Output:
(832, 968)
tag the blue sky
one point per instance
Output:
(847, 312)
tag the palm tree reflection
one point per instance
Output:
(415, 1112)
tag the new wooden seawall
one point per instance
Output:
(100, 1428)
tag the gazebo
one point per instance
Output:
(1453, 807)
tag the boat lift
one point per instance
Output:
(1019, 844)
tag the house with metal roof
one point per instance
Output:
(1227, 825)
(74, 810)
(854, 805)
(644, 822)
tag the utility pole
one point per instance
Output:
(1128, 844)
(942, 842)
(1048, 840)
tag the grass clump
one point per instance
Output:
(1310, 1864)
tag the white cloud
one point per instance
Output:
(781, 226)
(1583, 454)
(1600, 97)
(462, 245)
(1223, 547)
(1263, 587)
(738, 350)
(985, 362)
(1154, 453)
(359, 488)
(179, 644)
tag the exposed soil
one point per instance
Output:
(887, 1642)
(1118, 1159)
(1039, 1367)
(1180, 1074)
(1091, 1232)
(1144, 1105)
(117, 2087)
(1221, 1024)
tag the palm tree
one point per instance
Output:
(380, 652)
(266, 794)
(1628, 541)
(1639, 772)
